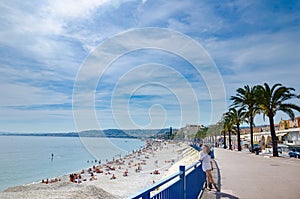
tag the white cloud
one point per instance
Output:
(167, 86)
(257, 58)
(25, 95)
(46, 41)
(20, 121)
(72, 8)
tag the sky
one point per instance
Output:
(195, 55)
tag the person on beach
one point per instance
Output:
(207, 166)
(72, 177)
(93, 177)
(113, 177)
(125, 174)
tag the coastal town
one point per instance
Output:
(149, 99)
(287, 132)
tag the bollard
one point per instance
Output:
(182, 179)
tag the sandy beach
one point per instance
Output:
(132, 174)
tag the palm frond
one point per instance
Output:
(272, 99)
(289, 112)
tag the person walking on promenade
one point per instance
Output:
(207, 166)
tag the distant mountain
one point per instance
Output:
(112, 133)
(146, 132)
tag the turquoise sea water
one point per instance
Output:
(26, 159)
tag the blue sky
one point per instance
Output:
(44, 44)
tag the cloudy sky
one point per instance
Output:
(46, 46)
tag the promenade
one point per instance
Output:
(248, 176)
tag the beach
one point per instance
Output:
(117, 178)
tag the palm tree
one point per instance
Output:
(246, 98)
(238, 116)
(272, 100)
(228, 126)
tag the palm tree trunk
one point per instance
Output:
(229, 140)
(224, 140)
(251, 133)
(238, 137)
(273, 135)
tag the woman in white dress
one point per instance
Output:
(207, 166)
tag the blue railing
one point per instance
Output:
(186, 184)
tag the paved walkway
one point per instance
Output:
(248, 176)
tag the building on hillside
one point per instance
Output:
(284, 124)
(287, 124)
(247, 130)
(266, 128)
(188, 131)
(294, 123)
(277, 127)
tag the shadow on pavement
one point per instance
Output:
(219, 179)
(220, 195)
(226, 195)
(213, 194)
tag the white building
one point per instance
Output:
(289, 137)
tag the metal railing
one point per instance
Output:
(186, 184)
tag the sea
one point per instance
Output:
(28, 159)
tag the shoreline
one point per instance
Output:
(70, 155)
(141, 165)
